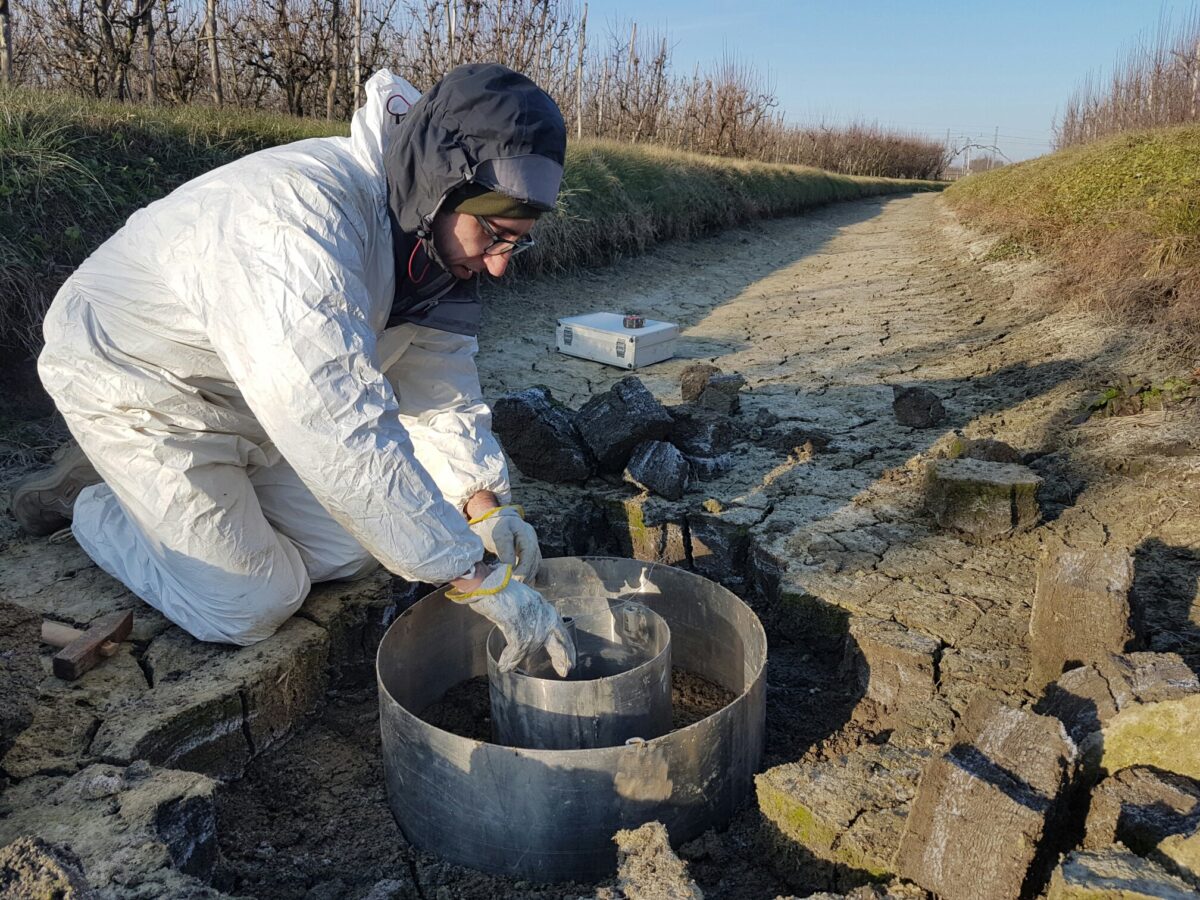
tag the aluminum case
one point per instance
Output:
(602, 337)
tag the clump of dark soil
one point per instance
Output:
(465, 709)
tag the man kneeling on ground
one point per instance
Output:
(270, 372)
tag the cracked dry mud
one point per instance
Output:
(822, 314)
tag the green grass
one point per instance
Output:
(1123, 216)
(620, 199)
(72, 171)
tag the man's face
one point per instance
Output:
(461, 240)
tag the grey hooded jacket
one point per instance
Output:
(482, 123)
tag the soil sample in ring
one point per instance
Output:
(694, 697)
(466, 709)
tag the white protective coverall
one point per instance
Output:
(222, 361)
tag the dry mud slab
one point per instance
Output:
(822, 524)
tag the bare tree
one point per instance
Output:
(273, 44)
(291, 55)
(178, 51)
(1157, 84)
(89, 46)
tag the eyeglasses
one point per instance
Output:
(500, 246)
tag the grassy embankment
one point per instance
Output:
(1122, 216)
(72, 171)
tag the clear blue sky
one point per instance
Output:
(921, 65)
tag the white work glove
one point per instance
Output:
(505, 532)
(526, 619)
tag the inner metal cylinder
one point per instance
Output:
(619, 689)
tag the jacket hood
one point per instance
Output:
(483, 123)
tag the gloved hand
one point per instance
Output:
(526, 619)
(505, 532)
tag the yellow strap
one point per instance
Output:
(495, 510)
(467, 597)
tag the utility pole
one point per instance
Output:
(5, 44)
(579, 75)
(600, 104)
(1196, 82)
(214, 60)
(358, 17)
(336, 61)
(995, 147)
(151, 78)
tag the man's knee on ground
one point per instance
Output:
(248, 627)
(244, 616)
(254, 628)
(350, 564)
(360, 568)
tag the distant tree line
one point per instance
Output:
(1158, 84)
(310, 58)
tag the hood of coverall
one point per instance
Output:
(482, 123)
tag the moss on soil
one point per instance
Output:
(797, 823)
(1130, 398)
(1162, 735)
